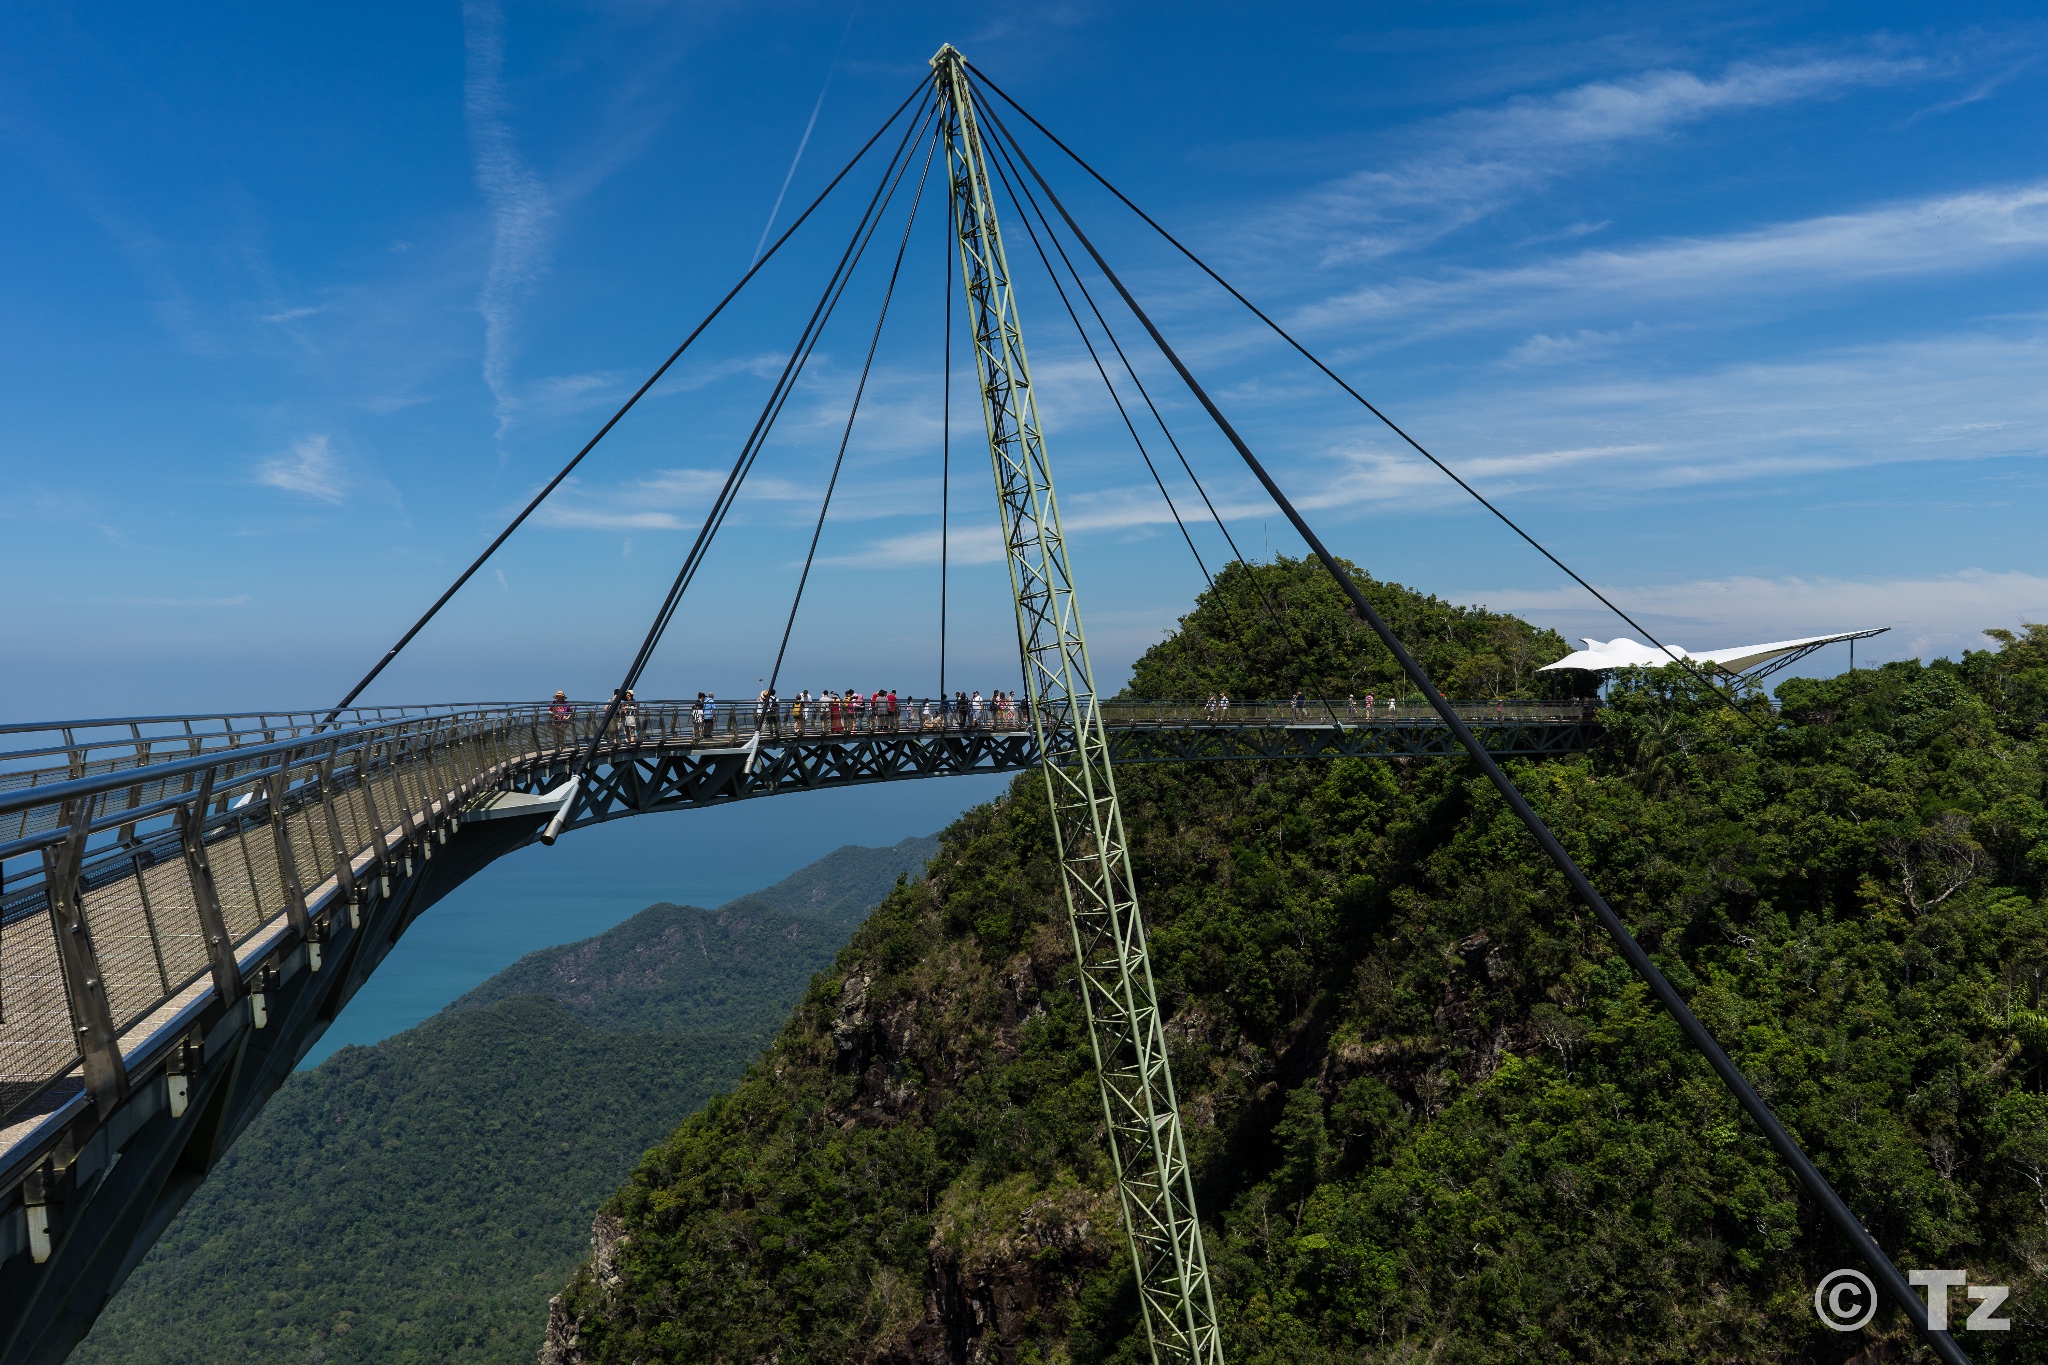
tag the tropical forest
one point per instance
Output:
(1432, 1113)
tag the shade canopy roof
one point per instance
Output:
(1601, 655)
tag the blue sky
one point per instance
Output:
(1739, 308)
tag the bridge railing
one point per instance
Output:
(128, 879)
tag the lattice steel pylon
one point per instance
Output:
(1145, 1142)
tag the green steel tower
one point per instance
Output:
(1145, 1140)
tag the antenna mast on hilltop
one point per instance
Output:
(1145, 1140)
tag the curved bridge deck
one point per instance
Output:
(187, 902)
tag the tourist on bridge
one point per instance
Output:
(895, 715)
(1299, 702)
(976, 705)
(1223, 706)
(560, 712)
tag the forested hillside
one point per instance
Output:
(1433, 1116)
(418, 1201)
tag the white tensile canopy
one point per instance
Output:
(1600, 655)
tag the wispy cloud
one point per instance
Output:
(1471, 163)
(1941, 235)
(690, 378)
(522, 210)
(978, 544)
(665, 500)
(309, 469)
(1623, 430)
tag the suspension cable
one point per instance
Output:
(624, 408)
(835, 289)
(1363, 401)
(1280, 620)
(1109, 332)
(852, 413)
(1753, 1104)
(1004, 179)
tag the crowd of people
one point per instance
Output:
(882, 711)
(825, 712)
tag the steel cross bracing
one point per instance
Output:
(1147, 1150)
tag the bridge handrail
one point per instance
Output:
(31, 787)
(47, 793)
(309, 716)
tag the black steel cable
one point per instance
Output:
(1279, 618)
(1696, 1033)
(626, 407)
(1366, 403)
(835, 289)
(852, 413)
(1100, 368)
(1088, 296)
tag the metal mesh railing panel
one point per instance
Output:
(312, 846)
(126, 950)
(179, 936)
(241, 898)
(36, 1042)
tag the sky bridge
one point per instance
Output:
(215, 889)
(186, 903)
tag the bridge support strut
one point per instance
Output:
(1124, 1023)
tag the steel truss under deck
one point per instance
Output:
(1145, 1141)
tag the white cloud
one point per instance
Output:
(1474, 162)
(1933, 616)
(309, 468)
(978, 544)
(1943, 235)
(665, 500)
(1628, 428)
(690, 378)
(522, 210)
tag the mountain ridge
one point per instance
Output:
(419, 1199)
